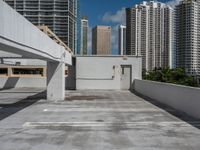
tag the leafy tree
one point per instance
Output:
(176, 76)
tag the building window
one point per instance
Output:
(27, 71)
(3, 71)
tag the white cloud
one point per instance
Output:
(173, 3)
(117, 17)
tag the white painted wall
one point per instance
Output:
(96, 72)
(23, 82)
(25, 62)
(183, 98)
(55, 81)
(4, 54)
(15, 82)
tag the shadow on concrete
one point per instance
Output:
(181, 115)
(14, 92)
(10, 83)
(1, 61)
(70, 80)
(10, 109)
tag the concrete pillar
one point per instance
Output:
(10, 73)
(44, 74)
(1, 61)
(55, 81)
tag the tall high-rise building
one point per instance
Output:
(122, 40)
(84, 35)
(101, 40)
(59, 15)
(150, 34)
(78, 28)
(188, 36)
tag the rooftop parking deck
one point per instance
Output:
(92, 120)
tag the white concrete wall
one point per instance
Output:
(25, 62)
(4, 54)
(55, 81)
(35, 82)
(15, 82)
(96, 72)
(19, 36)
(183, 98)
(70, 79)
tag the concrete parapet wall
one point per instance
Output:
(182, 98)
(29, 81)
(20, 82)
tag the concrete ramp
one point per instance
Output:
(19, 36)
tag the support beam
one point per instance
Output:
(33, 43)
(55, 81)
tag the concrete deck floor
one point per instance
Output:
(92, 120)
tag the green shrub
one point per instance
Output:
(175, 76)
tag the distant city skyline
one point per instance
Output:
(101, 40)
(122, 40)
(150, 34)
(109, 12)
(187, 37)
(84, 36)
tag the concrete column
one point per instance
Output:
(10, 73)
(44, 72)
(1, 61)
(55, 81)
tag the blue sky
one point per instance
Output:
(108, 12)
(95, 9)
